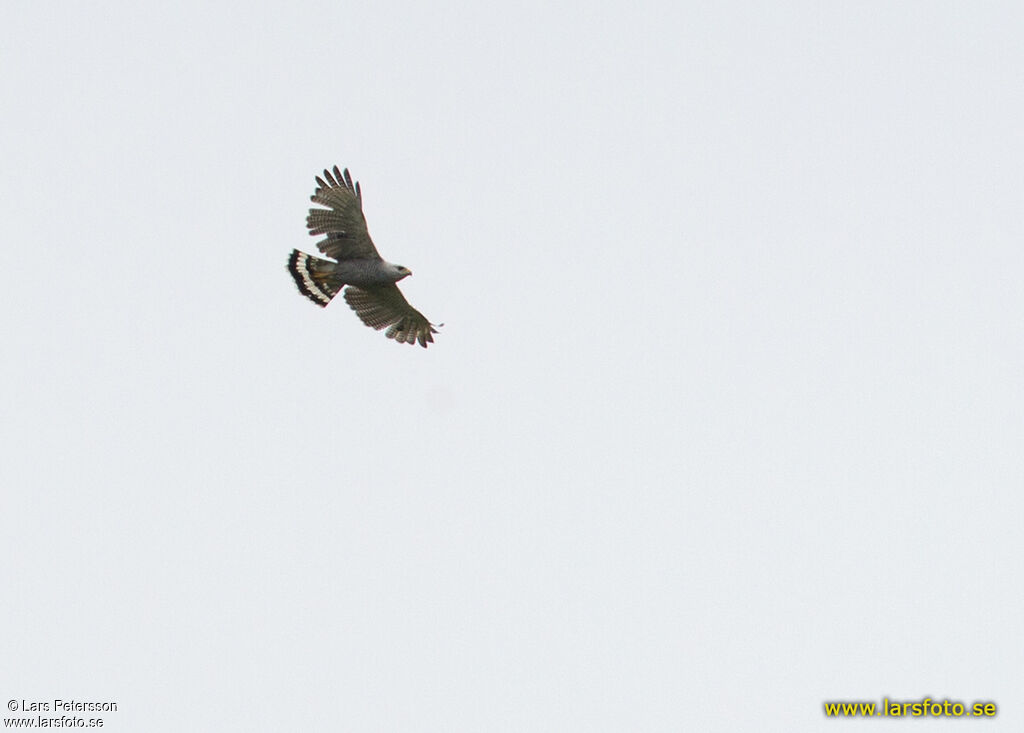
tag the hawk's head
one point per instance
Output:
(398, 271)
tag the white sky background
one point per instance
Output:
(726, 419)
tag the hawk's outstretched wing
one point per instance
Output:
(386, 306)
(343, 223)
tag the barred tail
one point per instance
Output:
(313, 276)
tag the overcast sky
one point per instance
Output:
(725, 420)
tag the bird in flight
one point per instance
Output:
(369, 281)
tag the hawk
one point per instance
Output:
(369, 281)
